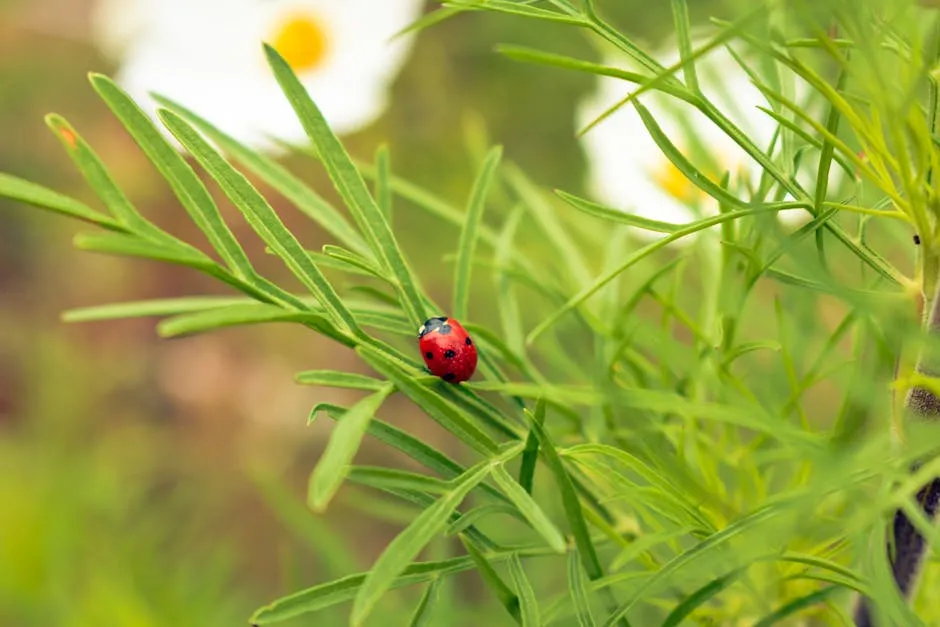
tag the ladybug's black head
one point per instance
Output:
(434, 324)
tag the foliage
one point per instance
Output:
(684, 472)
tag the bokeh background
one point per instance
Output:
(160, 482)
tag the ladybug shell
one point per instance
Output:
(447, 349)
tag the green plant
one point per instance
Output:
(686, 472)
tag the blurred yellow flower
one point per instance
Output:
(627, 169)
(206, 55)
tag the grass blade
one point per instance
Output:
(351, 187)
(468, 235)
(529, 509)
(405, 547)
(528, 605)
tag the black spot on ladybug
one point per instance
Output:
(468, 342)
(429, 355)
(917, 240)
(450, 376)
(449, 354)
(433, 324)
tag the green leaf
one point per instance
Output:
(278, 177)
(700, 597)
(354, 260)
(528, 605)
(530, 55)
(579, 593)
(430, 402)
(796, 605)
(156, 307)
(186, 185)
(617, 215)
(334, 592)
(351, 187)
(468, 235)
(338, 379)
(530, 457)
(530, 509)
(507, 598)
(262, 218)
(423, 612)
(383, 190)
(234, 315)
(680, 17)
(506, 300)
(711, 543)
(567, 251)
(133, 246)
(30, 193)
(390, 479)
(100, 180)
(569, 497)
(599, 283)
(515, 8)
(341, 448)
(405, 547)
(473, 516)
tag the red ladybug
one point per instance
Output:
(447, 349)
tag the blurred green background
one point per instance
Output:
(152, 482)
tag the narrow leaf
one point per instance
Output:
(468, 235)
(186, 185)
(579, 592)
(569, 497)
(278, 177)
(341, 448)
(405, 547)
(262, 218)
(349, 184)
(530, 509)
(423, 612)
(338, 379)
(528, 605)
(30, 193)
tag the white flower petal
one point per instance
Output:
(207, 55)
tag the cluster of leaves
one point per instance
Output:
(691, 478)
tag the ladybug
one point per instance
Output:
(447, 349)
